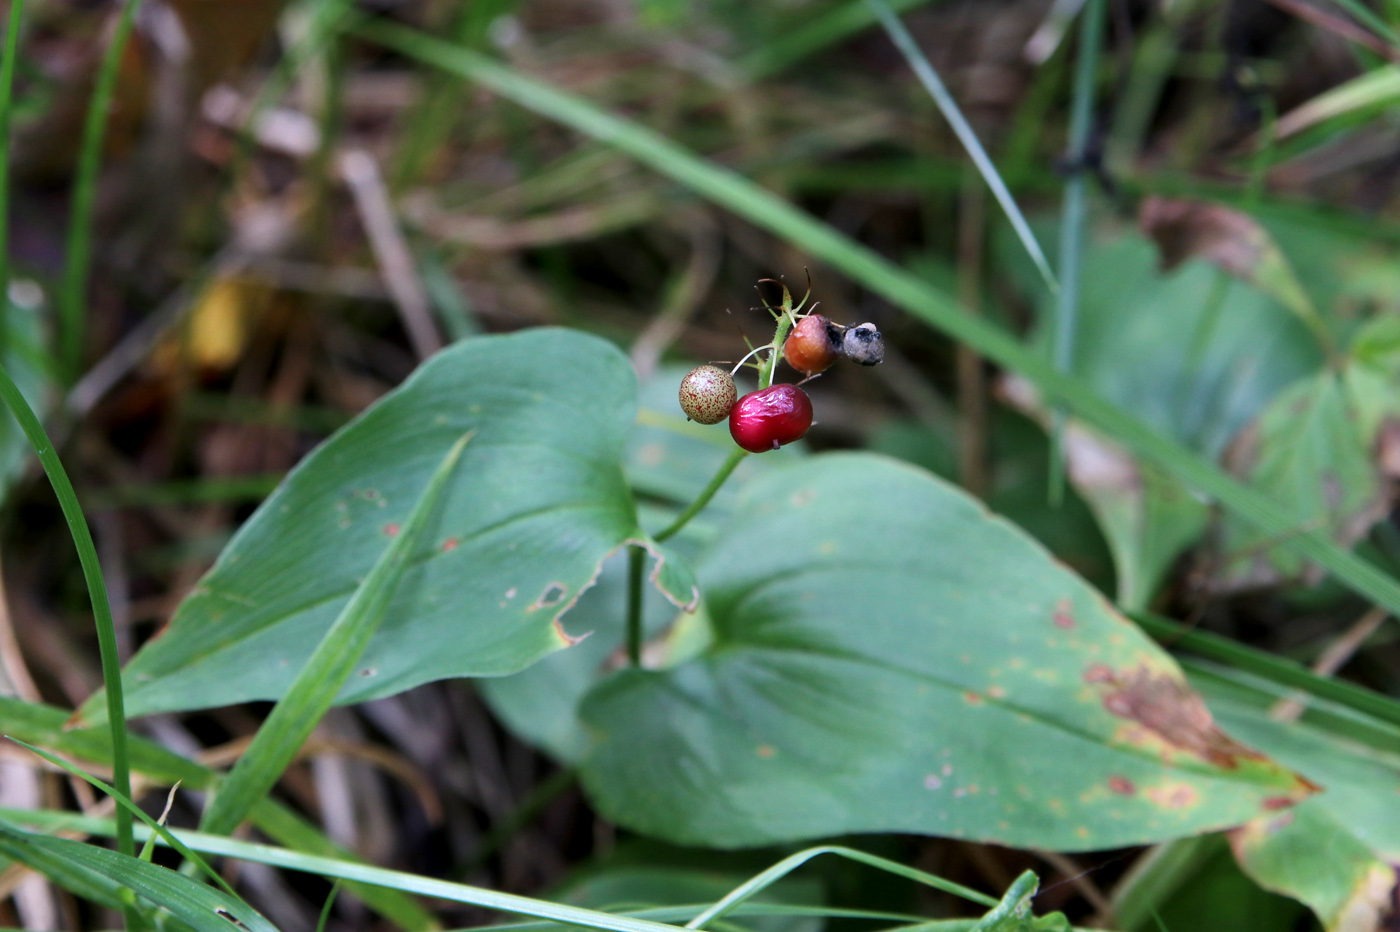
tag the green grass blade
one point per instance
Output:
(42, 724)
(398, 880)
(97, 593)
(821, 32)
(1072, 222)
(787, 865)
(683, 913)
(59, 870)
(291, 721)
(125, 802)
(927, 76)
(7, 88)
(72, 298)
(897, 285)
(1368, 18)
(644, 920)
(204, 908)
(326, 909)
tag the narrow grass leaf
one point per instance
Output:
(1368, 18)
(522, 905)
(927, 76)
(817, 33)
(291, 721)
(42, 724)
(97, 593)
(72, 303)
(80, 881)
(204, 908)
(125, 802)
(789, 864)
(326, 909)
(897, 285)
(7, 86)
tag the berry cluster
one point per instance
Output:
(775, 415)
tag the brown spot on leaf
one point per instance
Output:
(391, 530)
(449, 545)
(971, 698)
(1274, 803)
(1171, 710)
(765, 751)
(1064, 618)
(1121, 785)
(1099, 673)
(1195, 229)
(1174, 795)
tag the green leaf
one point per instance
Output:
(1334, 850)
(203, 908)
(1352, 756)
(887, 656)
(1193, 353)
(1307, 855)
(538, 503)
(1310, 456)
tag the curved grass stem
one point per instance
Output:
(97, 592)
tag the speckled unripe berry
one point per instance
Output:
(770, 417)
(707, 394)
(813, 345)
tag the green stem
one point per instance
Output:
(1072, 222)
(97, 592)
(636, 556)
(79, 244)
(636, 562)
(7, 84)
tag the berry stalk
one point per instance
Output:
(636, 555)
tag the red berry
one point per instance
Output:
(812, 346)
(770, 417)
(707, 394)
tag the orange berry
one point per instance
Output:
(812, 346)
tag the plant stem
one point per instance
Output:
(79, 244)
(1072, 222)
(636, 562)
(7, 84)
(636, 555)
(97, 592)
